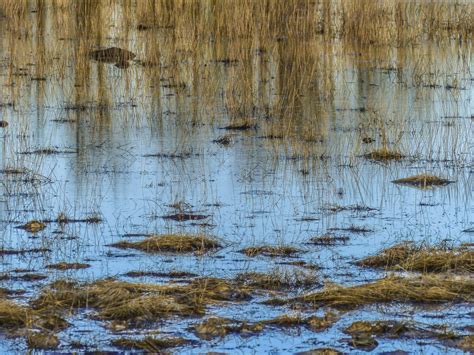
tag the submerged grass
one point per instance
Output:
(171, 243)
(408, 256)
(279, 279)
(150, 344)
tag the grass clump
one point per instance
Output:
(279, 279)
(422, 289)
(241, 124)
(329, 240)
(138, 302)
(150, 344)
(67, 266)
(14, 316)
(384, 154)
(422, 181)
(171, 243)
(32, 226)
(272, 251)
(42, 340)
(408, 256)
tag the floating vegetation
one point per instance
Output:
(224, 140)
(352, 229)
(118, 56)
(33, 226)
(272, 251)
(3, 124)
(150, 344)
(279, 279)
(23, 251)
(174, 274)
(314, 323)
(320, 351)
(422, 289)
(217, 327)
(68, 266)
(352, 208)
(49, 151)
(171, 243)
(183, 216)
(28, 277)
(423, 181)
(384, 154)
(329, 240)
(241, 124)
(408, 256)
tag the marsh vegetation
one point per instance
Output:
(236, 175)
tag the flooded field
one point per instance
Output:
(236, 176)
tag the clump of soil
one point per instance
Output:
(150, 344)
(384, 154)
(423, 289)
(67, 266)
(423, 181)
(273, 251)
(279, 279)
(408, 256)
(171, 243)
(32, 226)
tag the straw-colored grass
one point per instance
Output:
(171, 243)
(422, 181)
(272, 251)
(422, 289)
(408, 256)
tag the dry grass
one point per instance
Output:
(138, 302)
(384, 154)
(68, 266)
(150, 344)
(33, 226)
(13, 315)
(422, 181)
(422, 289)
(407, 256)
(171, 243)
(273, 251)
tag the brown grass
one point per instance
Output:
(217, 327)
(272, 251)
(422, 289)
(407, 256)
(67, 266)
(150, 344)
(384, 154)
(171, 243)
(422, 181)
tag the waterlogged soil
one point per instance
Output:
(285, 219)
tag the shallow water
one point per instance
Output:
(255, 191)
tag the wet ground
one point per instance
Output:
(106, 158)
